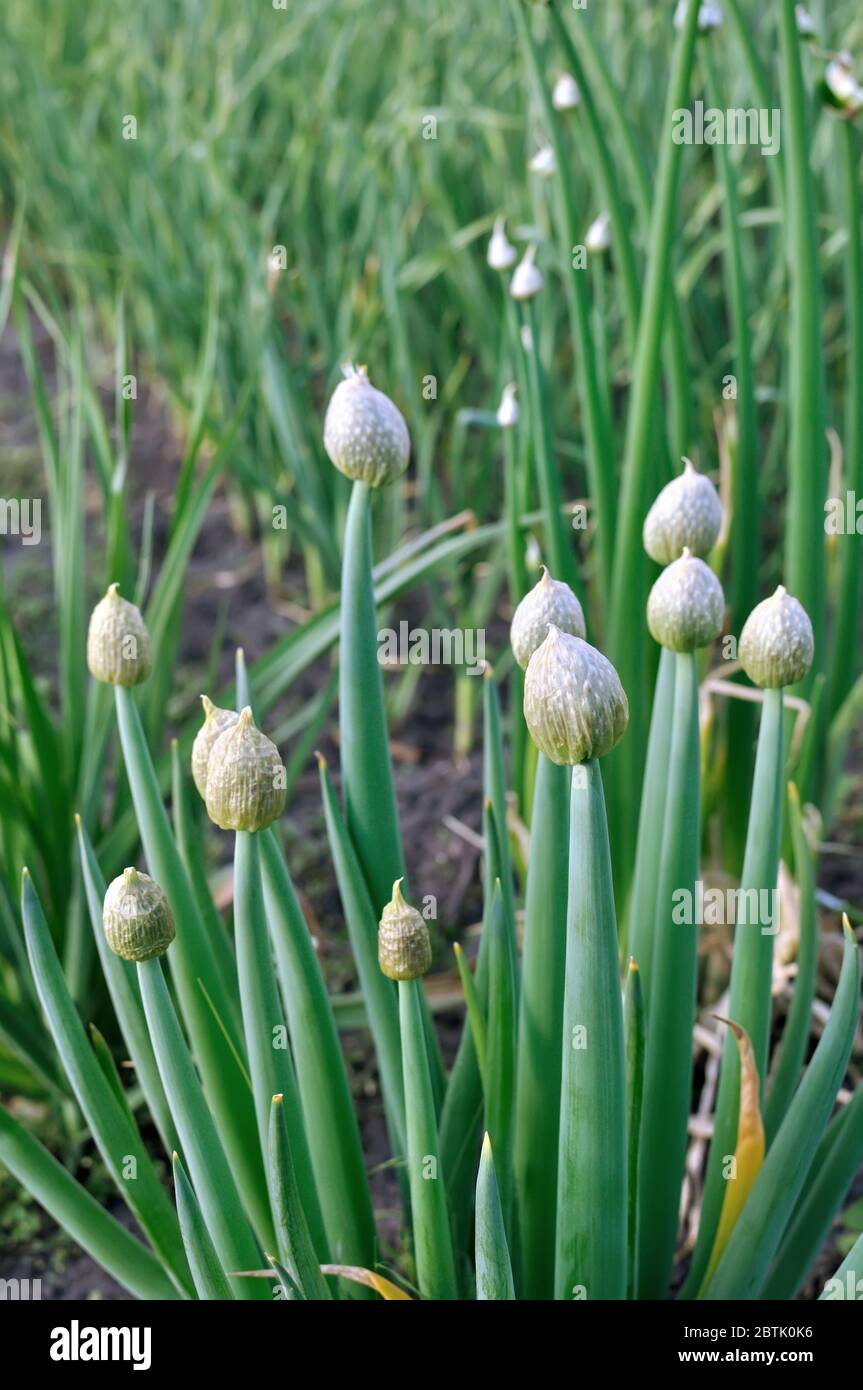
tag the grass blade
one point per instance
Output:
(493, 1266)
(209, 1277)
(540, 1028)
(117, 1140)
(265, 1031)
(296, 1246)
(331, 1125)
(87, 1222)
(208, 1166)
(591, 1184)
(668, 1050)
(743, 1268)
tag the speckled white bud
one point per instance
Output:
(597, 238)
(118, 643)
(549, 601)
(501, 254)
(565, 95)
(365, 434)
(136, 917)
(709, 16)
(687, 514)
(804, 21)
(527, 278)
(686, 605)
(507, 411)
(574, 704)
(777, 644)
(216, 721)
(245, 778)
(543, 162)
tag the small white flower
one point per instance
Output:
(598, 235)
(501, 254)
(565, 95)
(805, 22)
(709, 16)
(527, 279)
(842, 84)
(507, 411)
(543, 162)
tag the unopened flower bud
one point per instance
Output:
(527, 278)
(777, 644)
(574, 704)
(136, 917)
(686, 605)
(118, 643)
(686, 514)
(216, 721)
(245, 778)
(549, 601)
(404, 947)
(365, 434)
(501, 254)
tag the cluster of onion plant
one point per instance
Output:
(548, 1162)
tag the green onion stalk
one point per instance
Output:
(404, 954)
(367, 440)
(576, 711)
(685, 611)
(776, 650)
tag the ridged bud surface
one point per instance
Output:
(118, 643)
(687, 514)
(549, 601)
(404, 947)
(574, 704)
(777, 645)
(136, 917)
(686, 605)
(365, 434)
(216, 721)
(245, 778)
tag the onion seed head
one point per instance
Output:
(686, 605)
(527, 279)
(687, 514)
(365, 434)
(501, 254)
(565, 95)
(136, 917)
(574, 704)
(777, 645)
(118, 643)
(404, 946)
(549, 601)
(216, 721)
(245, 778)
(507, 411)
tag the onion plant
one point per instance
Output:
(544, 1158)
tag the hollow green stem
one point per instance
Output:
(540, 1025)
(211, 1175)
(591, 1183)
(265, 1030)
(752, 967)
(435, 1265)
(668, 1049)
(493, 1266)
